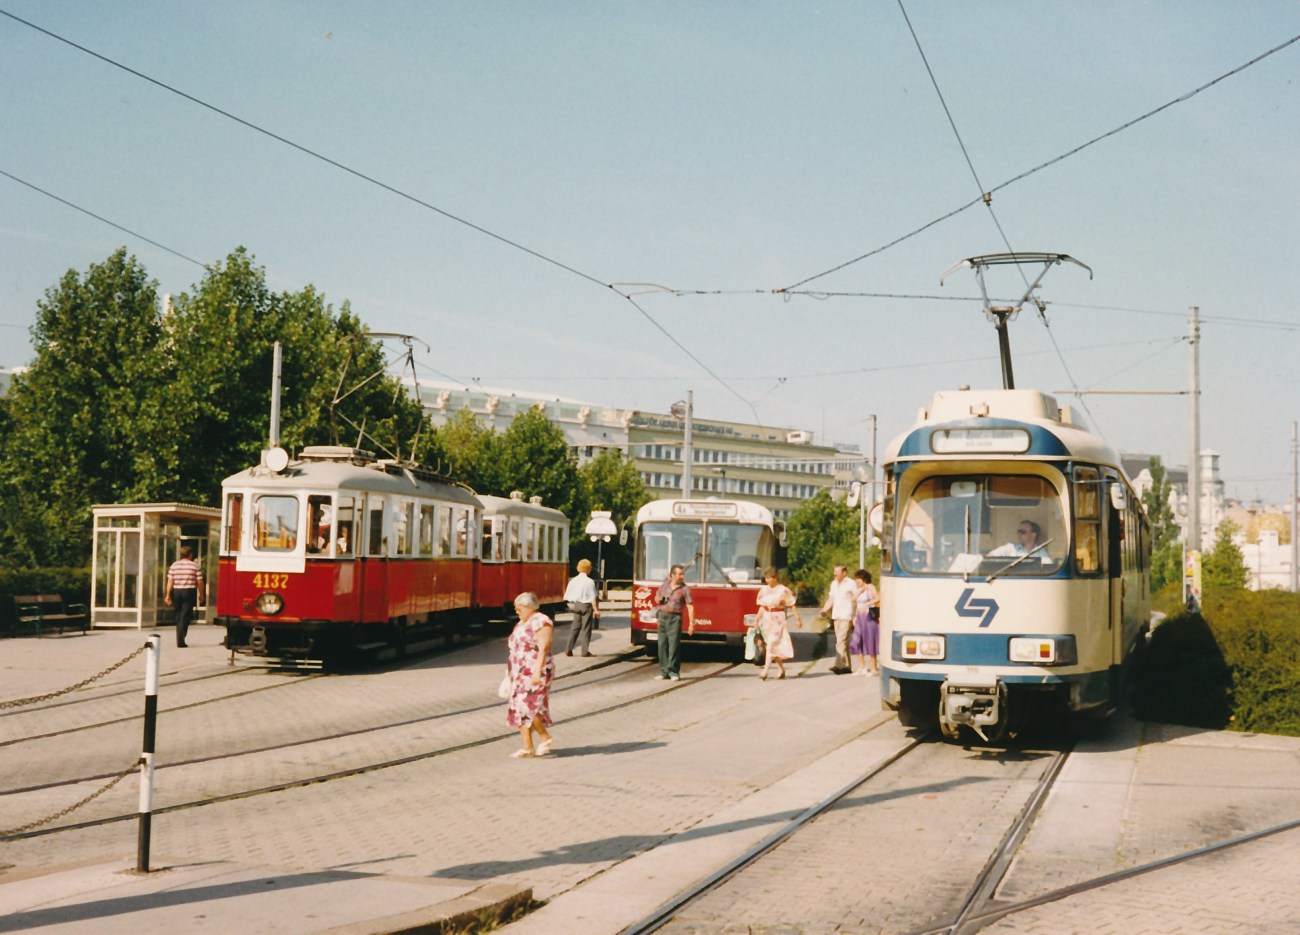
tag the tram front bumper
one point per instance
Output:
(975, 701)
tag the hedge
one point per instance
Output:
(72, 583)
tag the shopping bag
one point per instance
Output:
(503, 690)
(749, 644)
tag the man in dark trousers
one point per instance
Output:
(674, 599)
(184, 579)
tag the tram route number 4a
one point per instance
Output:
(984, 607)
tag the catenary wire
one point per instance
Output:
(1038, 168)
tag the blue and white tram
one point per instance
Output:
(1015, 567)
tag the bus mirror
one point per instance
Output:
(622, 536)
(1118, 499)
(876, 518)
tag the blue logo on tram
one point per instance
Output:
(981, 607)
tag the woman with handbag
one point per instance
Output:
(865, 640)
(531, 668)
(774, 599)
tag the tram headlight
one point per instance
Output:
(270, 603)
(1043, 650)
(927, 647)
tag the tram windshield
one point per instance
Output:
(712, 553)
(982, 524)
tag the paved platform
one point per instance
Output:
(94, 898)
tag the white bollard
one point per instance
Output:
(152, 657)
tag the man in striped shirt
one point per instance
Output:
(184, 579)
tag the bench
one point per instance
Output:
(37, 611)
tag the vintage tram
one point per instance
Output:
(724, 546)
(338, 552)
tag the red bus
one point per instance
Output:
(724, 545)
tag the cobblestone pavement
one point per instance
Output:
(639, 803)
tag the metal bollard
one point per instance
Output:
(146, 757)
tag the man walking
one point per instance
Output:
(581, 598)
(674, 599)
(184, 579)
(839, 605)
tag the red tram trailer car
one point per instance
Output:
(724, 545)
(340, 552)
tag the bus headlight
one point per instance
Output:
(928, 647)
(270, 603)
(1043, 650)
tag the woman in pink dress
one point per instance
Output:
(773, 600)
(531, 668)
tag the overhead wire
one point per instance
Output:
(1038, 168)
(392, 189)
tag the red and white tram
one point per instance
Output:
(724, 545)
(338, 551)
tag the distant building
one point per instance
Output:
(777, 467)
(1214, 503)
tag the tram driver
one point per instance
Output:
(1028, 536)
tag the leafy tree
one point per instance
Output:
(1164, 527)
(535, 459)
(78, 419)
(1223, 567)
(823, 532)
(609, 483)
(469, 451)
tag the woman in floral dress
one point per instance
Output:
(773, 599)
(531, 668)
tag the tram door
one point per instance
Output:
(372, 548)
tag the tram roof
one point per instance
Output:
(376, 476)
(712, 508)
(999, 425)
(516, 506)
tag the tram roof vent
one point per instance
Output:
(336, 453)
(535, 501)
(517, 495)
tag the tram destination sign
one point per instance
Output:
(703, 509)
(995, 440)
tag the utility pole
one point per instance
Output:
(1192, 549)
(1295, 495)
(686, 411)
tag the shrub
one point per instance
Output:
(1259, 635)
(72, 583)
(1182, 677)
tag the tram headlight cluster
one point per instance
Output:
(1043, 650)
(916, 648)
(268, 602)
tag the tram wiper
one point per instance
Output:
(1003, 571)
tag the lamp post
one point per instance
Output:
(601, 529)
(685, 410)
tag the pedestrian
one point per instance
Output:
(530, 669)
(184, 579)
(581, 598)
(774, 599)
(674, 599)
(865, 641)
(1027, 535)
(839, 607)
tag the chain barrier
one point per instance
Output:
(19, 702)
(33, 825)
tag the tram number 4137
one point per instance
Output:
(261, 580)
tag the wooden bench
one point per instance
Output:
(38, 611)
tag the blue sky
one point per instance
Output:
(731, 148)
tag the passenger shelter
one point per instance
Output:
(134, 545)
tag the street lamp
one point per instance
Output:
(601, 529)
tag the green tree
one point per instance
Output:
(823, 532)
(1223, 567)
(609, 483)
(1166, 550)
(469, 451)
(535, 459)
(77, 422)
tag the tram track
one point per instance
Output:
(360, 769)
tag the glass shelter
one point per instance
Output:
(134, 545)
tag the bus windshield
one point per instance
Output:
(715, 553)
(982, 524)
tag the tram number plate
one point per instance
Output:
(264, 580)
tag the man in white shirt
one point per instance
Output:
(581, 597)
(1027, 537)
(839, 605)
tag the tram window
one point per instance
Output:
(1087, 520)
(426, 529)
(275, 523)
(376, 544)
(736, 553)
(320, 521)
(444, 530)
(463, 531)
(234, 521)
(344, 519)
(403, 522)
(485, 548)
(515, 548)
(981, 524)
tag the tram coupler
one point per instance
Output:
(976, 701)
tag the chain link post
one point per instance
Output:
(154, 647)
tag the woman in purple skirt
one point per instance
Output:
(865, 640)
